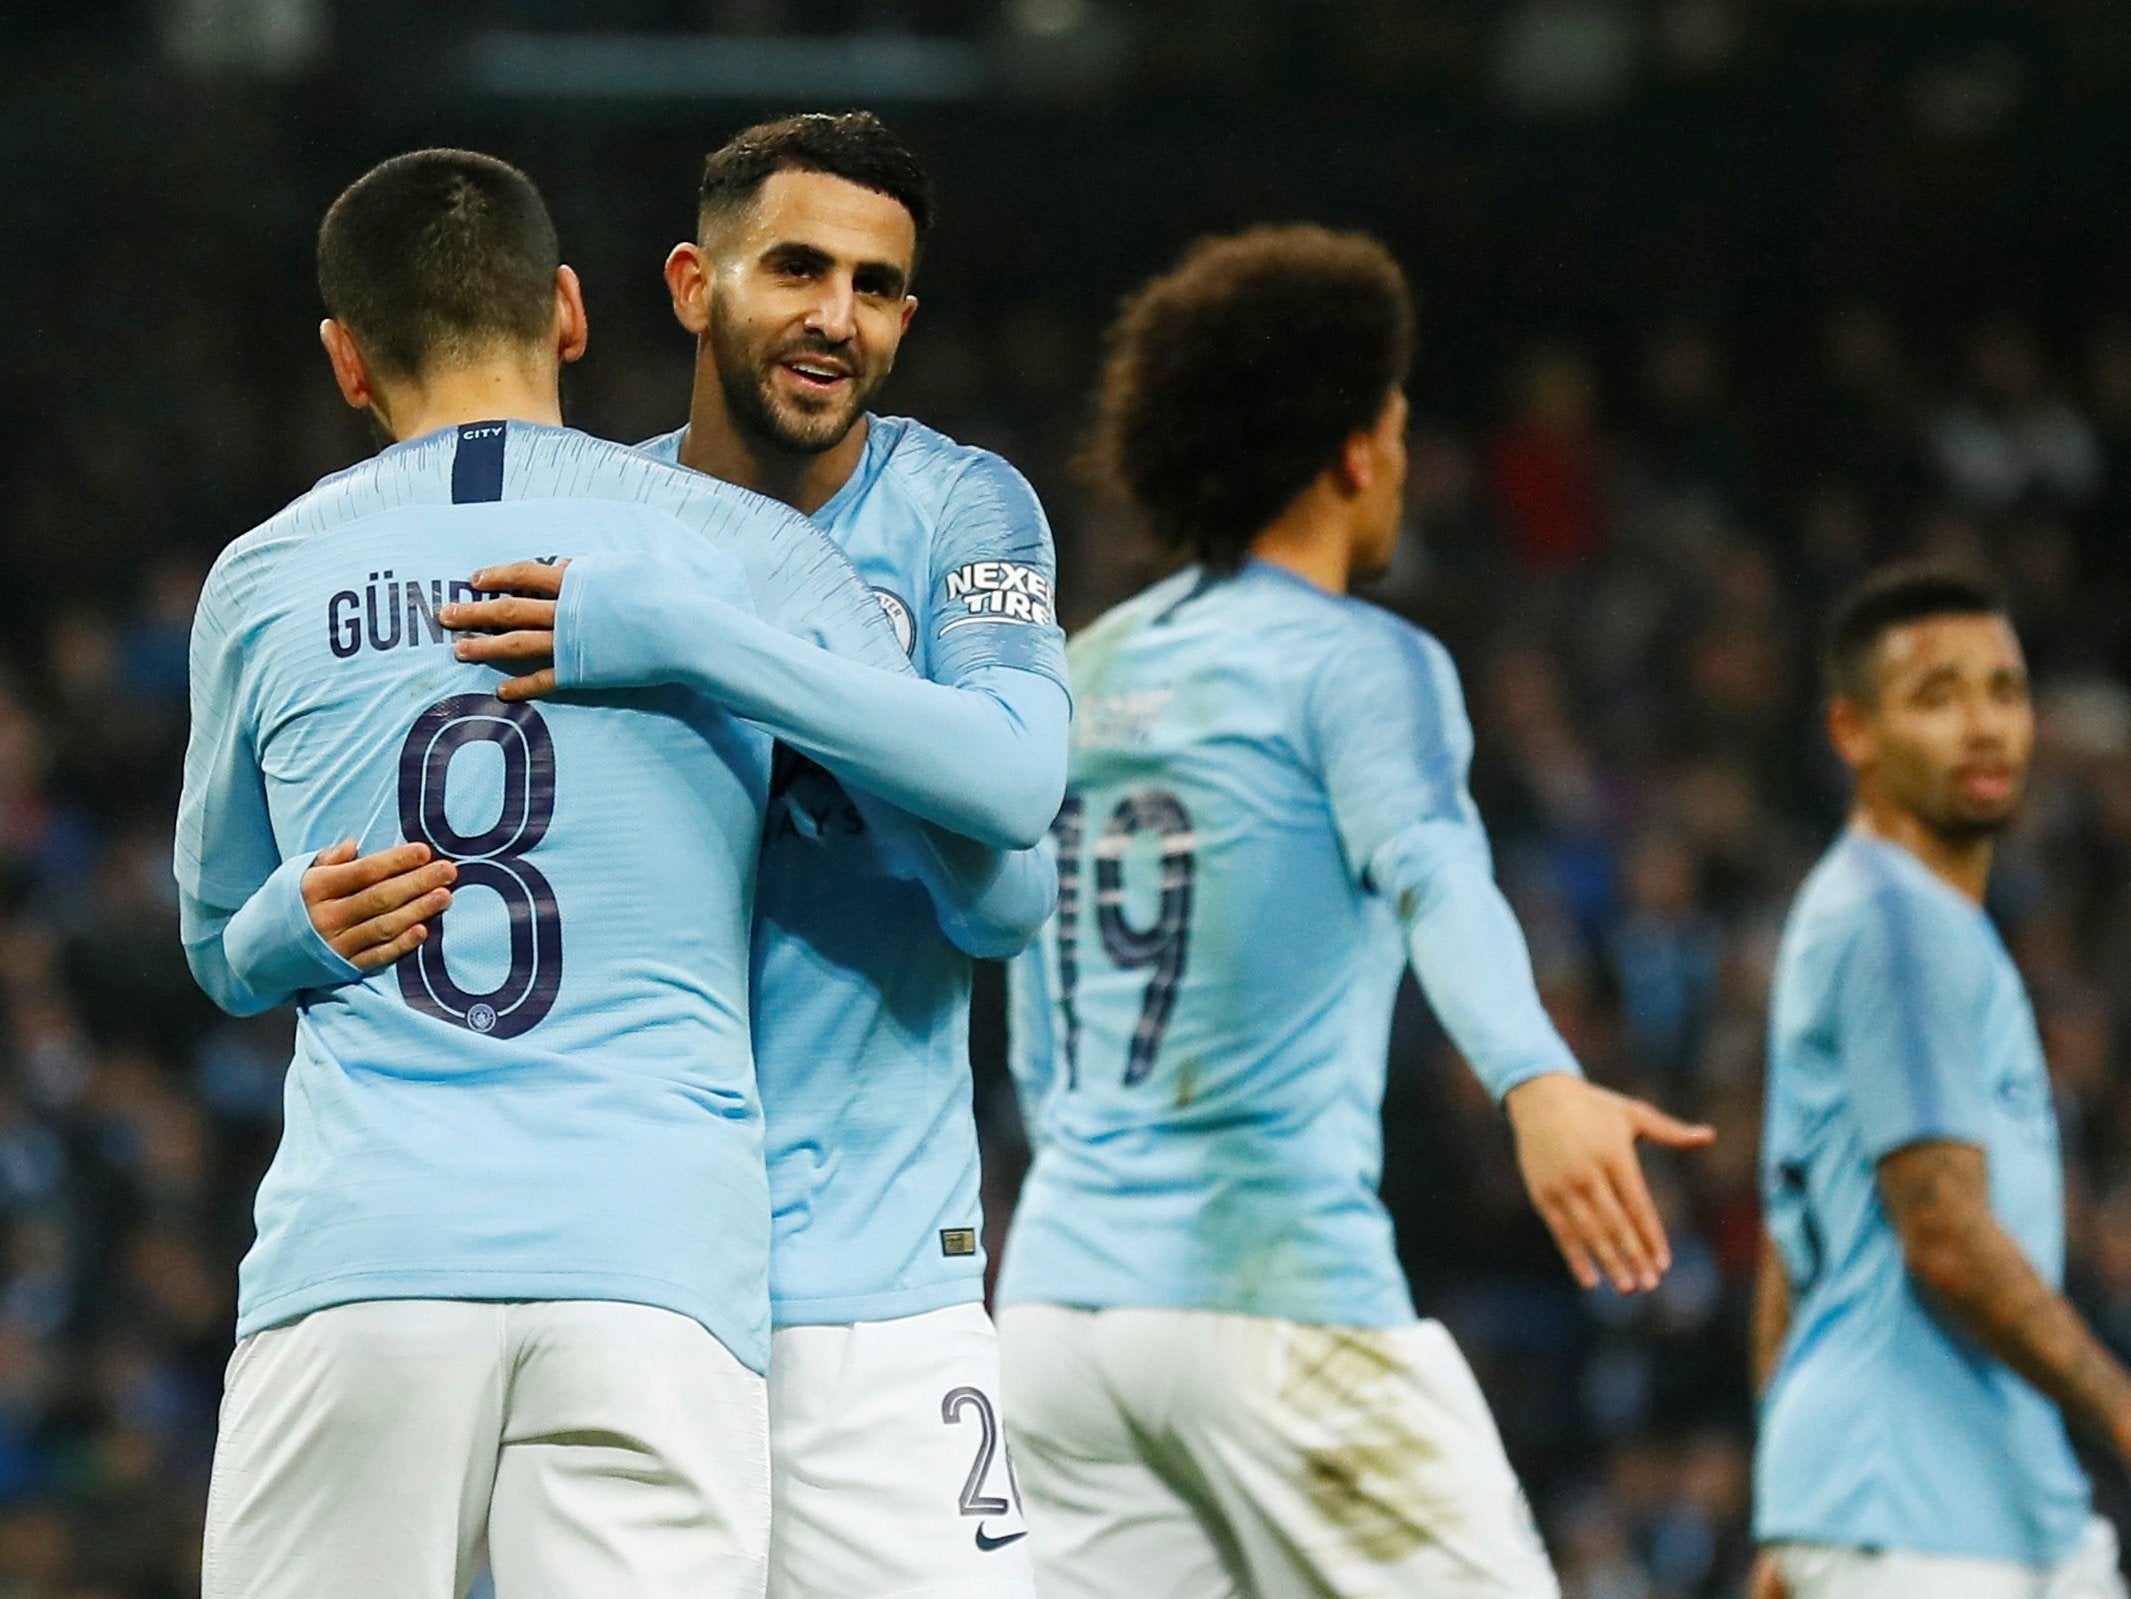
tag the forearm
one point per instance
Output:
(984, 758)
(1772, 1314)
(1470, 955)
(1954, 1246)
(2001, 1301)
(990, 902)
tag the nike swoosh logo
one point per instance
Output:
(987, 1543)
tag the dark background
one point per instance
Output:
(1722, 301)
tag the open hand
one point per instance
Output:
(515, 629)
(1576, 1148)
(373, 910)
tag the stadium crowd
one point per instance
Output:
(1627, 552)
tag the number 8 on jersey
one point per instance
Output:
(493, 858)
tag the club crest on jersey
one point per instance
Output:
(898, 614)
(999, 591)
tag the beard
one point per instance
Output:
(1962, 831)
(1960, 823)
(746, 376)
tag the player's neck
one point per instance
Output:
(503, 392)
(1309, 540)
(1963, 865)
(804, 481)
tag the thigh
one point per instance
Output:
(889, 1473)
(355, 1454)
(1836, 1571)
(1359, 1462)
(635, 1459)
(1105, 1522)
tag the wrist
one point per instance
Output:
(1540, 1088)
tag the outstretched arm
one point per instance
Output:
(1575, 1140)
(984, 758)
(1388, 722)
(1938, 1197)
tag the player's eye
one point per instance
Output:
(795, 266)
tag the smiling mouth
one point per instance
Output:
(816, 377)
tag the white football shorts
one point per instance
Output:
(1186, 1454)
(601, 1449)
(889, 1468)
(1834, 1571)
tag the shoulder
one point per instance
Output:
(402, 475)
(1108, 631)
(573, 465)
(1353, 649)
(943, 475)
(664, 447)
(1871, 906)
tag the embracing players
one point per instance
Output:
(890, 1476)
(1216, 1383)
(510, 1282)
(1916, 1355)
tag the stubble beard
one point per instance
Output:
(744, 376)
(1960, 828)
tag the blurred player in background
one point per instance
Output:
(1216, 1383)
(512, 1263)
(1916, 1355)
(890, 1478)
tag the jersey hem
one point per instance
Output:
(1308, 1314)
(835, 1310)
(2042, 1560)
(748, 1346)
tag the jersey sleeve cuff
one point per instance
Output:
(1499, 1084)
(272, 947)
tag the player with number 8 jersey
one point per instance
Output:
(511, 1277)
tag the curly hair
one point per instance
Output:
(1233, 380)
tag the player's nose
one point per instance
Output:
(834, 314)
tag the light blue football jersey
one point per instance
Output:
(553, 1098)
(861, 1003)
(1898, 1017)
(1201, 1032)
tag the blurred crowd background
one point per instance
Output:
(1722, 302)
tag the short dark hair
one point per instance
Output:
(1890, 598)
(853, 145)
(1232, 380)
(439, 256)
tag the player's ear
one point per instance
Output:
(1850, 731)
(350, 370)
(1357, 464)
(910, 310)
(572, 330)
(688, 281)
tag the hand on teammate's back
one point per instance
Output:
(1576, 1148)
(513, 629)
(375, 908)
